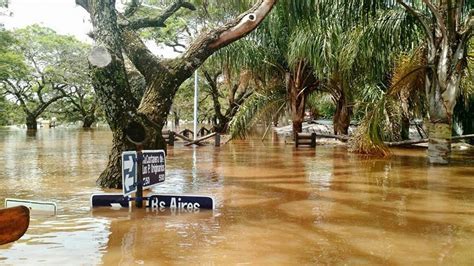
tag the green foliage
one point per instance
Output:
(42, 67)
(12, 62)
(321, 105)
(185, 24)
(369, 136)
(258, 108)
(10, 114)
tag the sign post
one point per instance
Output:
(139, 194)
(136, 134)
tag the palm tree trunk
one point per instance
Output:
(342, 116)
(442, 89)
(297, 109)
(439, 145)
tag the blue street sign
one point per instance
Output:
(182, 202)
(109, 200)
(129, 172)
(153, 164)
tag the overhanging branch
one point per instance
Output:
(207, 43)
(132, 7)
(84, 4)
(160, 20)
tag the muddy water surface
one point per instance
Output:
(275, 205)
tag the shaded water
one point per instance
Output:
(275, 205)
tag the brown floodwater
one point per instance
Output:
(275, 205)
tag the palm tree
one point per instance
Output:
(447, 27)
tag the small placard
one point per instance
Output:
(33, 205)
(153, 165)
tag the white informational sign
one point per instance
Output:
(33, 205)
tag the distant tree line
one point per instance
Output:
(44, 75)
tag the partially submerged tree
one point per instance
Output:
(39, 74)
(448, 26)
(115, 33)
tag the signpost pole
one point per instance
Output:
(139, 195)
(195, 103)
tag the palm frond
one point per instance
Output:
(259, 107)
(368, 137)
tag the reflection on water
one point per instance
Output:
(275, 205)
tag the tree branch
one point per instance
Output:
(83, 3)
(131, 8)
(207, 43)
(40, 109)
(142, 58)
(160, 20)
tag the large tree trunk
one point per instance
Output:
(442, 89)
(111, 177)
(88, 120)
(31, 123)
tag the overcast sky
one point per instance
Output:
(63, 16)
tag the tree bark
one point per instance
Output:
(442, 89)
(88, 120)
(31, 123)
(297, 102)
(342, 116)
(299, 84)
(439, 144)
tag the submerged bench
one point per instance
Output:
(305, 139)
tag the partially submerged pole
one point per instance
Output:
(139, 194)
(196, 79)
